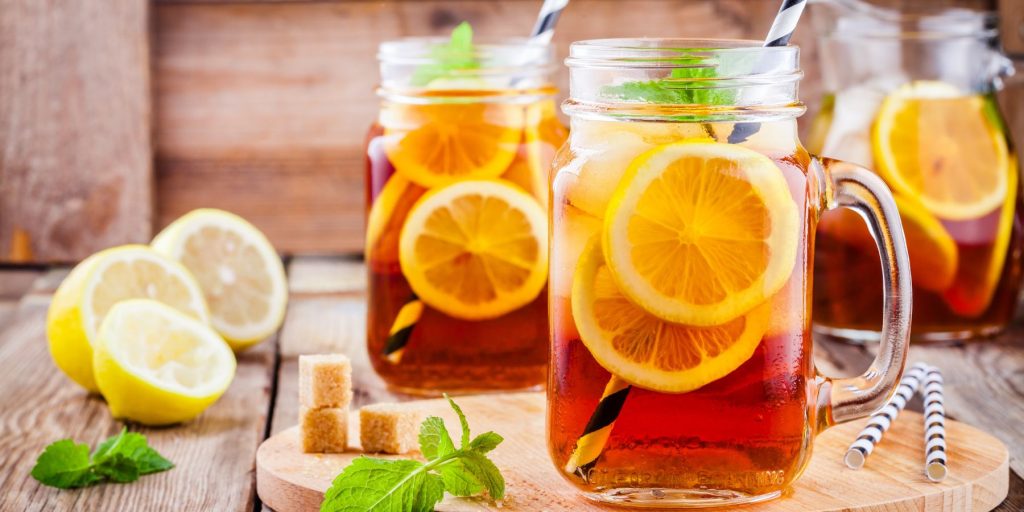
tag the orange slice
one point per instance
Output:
(936, 144)
(700, 233)
(933, 253)
(434, 145)
(476, 249)
(647, 351)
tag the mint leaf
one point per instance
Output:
(65, 465)
(387, 485)
(458, 480)
(462, 420)
(448, 59)
(120, 458)
(118, 468)
(486, 472)
(369, 484)
(485, 442)
(434, 439)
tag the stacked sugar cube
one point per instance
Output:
(325, 393)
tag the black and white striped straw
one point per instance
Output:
(934, 426)
(544, 29)
(785, 22)
(779, 35)
(880, 422)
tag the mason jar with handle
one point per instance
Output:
(683, 216)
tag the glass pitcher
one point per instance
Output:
(912, 97)
(456, 246)
(682, 240)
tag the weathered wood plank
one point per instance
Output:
(75, 143)
(1011, 15)
(214, 454)
(310, 275)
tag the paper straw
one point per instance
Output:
(880, 422)
(401, 329)
(785, 22)
(544, 29)
(934, 426)
(595, 435)
(779, 35)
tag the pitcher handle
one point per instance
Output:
(850, 186)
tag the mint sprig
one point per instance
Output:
(447, 59)
(122, 458)
(370, 484)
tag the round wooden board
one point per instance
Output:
(893, 480)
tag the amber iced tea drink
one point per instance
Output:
(929, 125)
(683, 214)
(457, 224)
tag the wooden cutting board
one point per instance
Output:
(290, 481)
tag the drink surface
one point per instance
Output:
(706, 420)
(456, 243)
(947, 157)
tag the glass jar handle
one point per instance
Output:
(851, 186)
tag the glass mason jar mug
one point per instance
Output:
(456, 244)
(912, 97)
(682, 241)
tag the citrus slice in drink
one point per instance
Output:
(647, 351)
(933, 253)
(475, 249)
(240, 273)
(936, 144)
(972, 292)
(434, 145)
(98, 283)
(699, 233)
(384, 222)
(158, 366)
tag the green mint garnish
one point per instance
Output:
(449, 58)
(121, 458)
(414, 486)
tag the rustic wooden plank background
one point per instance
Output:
(258, 106)
(76, 154)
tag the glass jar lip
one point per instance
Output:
(513, 52)
(653, 52)
(888, 24)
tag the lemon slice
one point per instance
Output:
(241, 275)
(650, 352)
(476, 249)
(434, 145)
(699, 233)
(934, 143)
(384, 222)
(99, 282)
(158, 366)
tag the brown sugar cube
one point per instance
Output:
(323, 430)
(389, 428)
(325, 380)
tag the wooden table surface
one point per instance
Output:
(215, 454)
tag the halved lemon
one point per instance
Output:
(158, 366)
(935, 143)
(699, 233)
(434, 145)
(647, 351)
(933, 253)
(384, 222)
(241, 275)
(99, 282)
(476, 249)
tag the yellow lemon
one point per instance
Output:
(158, 366)
(100, 282)
(241, 275)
